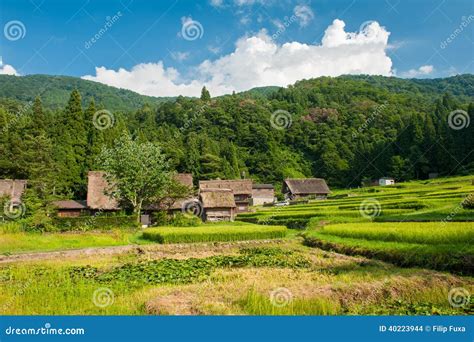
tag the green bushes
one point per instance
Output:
(94, 222)
(176, 220)
(468, 202)
(209, 233)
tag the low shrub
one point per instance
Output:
(85, 223)
(210, 233)
(162, 218)
(468, 202)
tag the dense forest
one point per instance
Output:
(346, 129)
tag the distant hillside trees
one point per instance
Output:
(344, 129)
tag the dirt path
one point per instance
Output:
(178, 251)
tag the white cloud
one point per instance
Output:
(217, 3)
(421, 71)
(259, 61)
(8, 70)
(179, 56)
(304, 14)
(214, 49)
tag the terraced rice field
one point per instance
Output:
(432, 200)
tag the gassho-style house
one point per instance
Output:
(220, 200)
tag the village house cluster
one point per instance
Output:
(219, 199)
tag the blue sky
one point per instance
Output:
(409, 39)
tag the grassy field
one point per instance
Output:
(37, 242)
(270, 278)
(363, 251)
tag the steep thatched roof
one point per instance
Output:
(185, 179)
(217, 198)
(96, 197)
(70, 204)
(263, 186)
(12, 188)
(97, 185)
(307, 186)
(238, 186)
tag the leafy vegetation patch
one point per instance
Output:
(174, 271)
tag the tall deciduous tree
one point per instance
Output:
(138, 171)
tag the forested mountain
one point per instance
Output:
(55, 90)
(344, 129)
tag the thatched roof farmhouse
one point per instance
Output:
(218, 204)
(97, 199)
(295, 188)
(241, 189)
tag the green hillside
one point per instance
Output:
(347, 129)
(55, 90)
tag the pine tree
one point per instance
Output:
(38, 120)
(205, 95)
(95, 138)
(71, 142)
